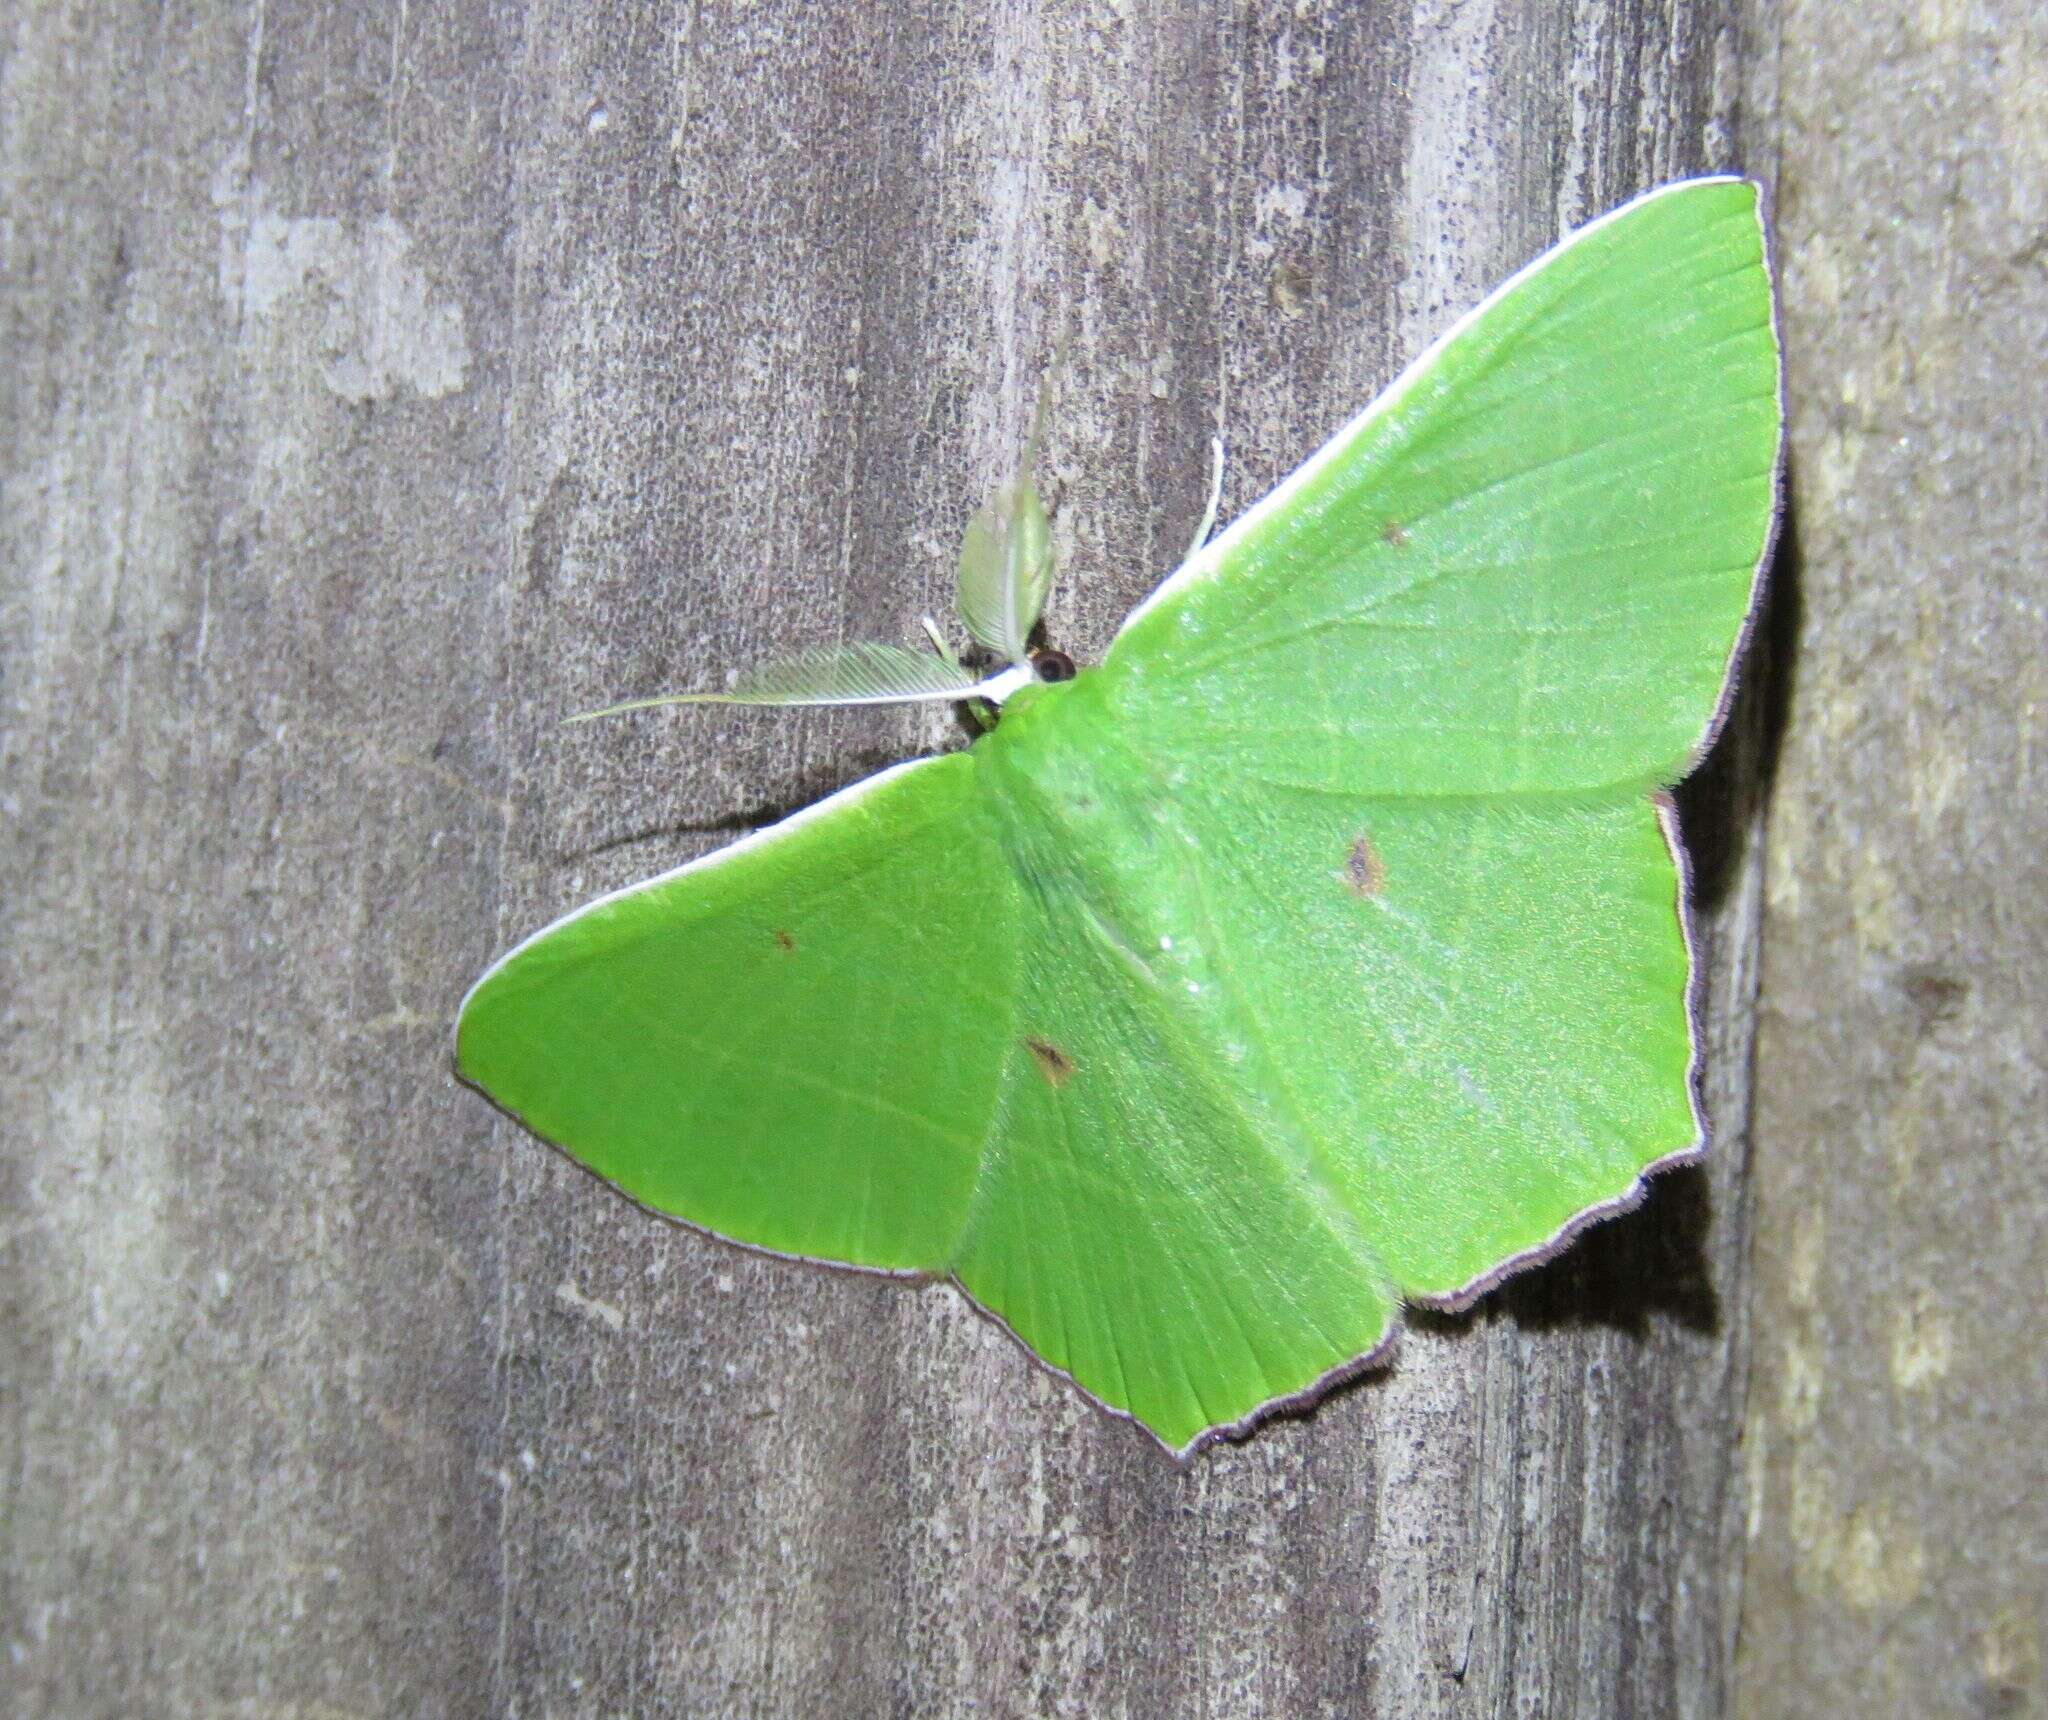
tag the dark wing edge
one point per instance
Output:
(1667, 817)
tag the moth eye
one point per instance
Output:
(1052, 665)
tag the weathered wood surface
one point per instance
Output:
(1899, 1555)
(385, 381)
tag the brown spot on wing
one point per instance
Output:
(783, 941)
(1053, 1063)
(1364, 873)
(1392, 533)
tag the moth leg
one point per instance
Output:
(1215, 495)
(938, 639)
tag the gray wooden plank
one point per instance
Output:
(1899, 1560)
(254, 414)
(392, 380)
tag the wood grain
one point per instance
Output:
(387, 381)
(1898, 1561)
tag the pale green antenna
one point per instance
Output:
(1004, 577)
(1006, 562)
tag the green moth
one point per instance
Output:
(1324, 949)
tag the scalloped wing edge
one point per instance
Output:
(1302, 1399)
